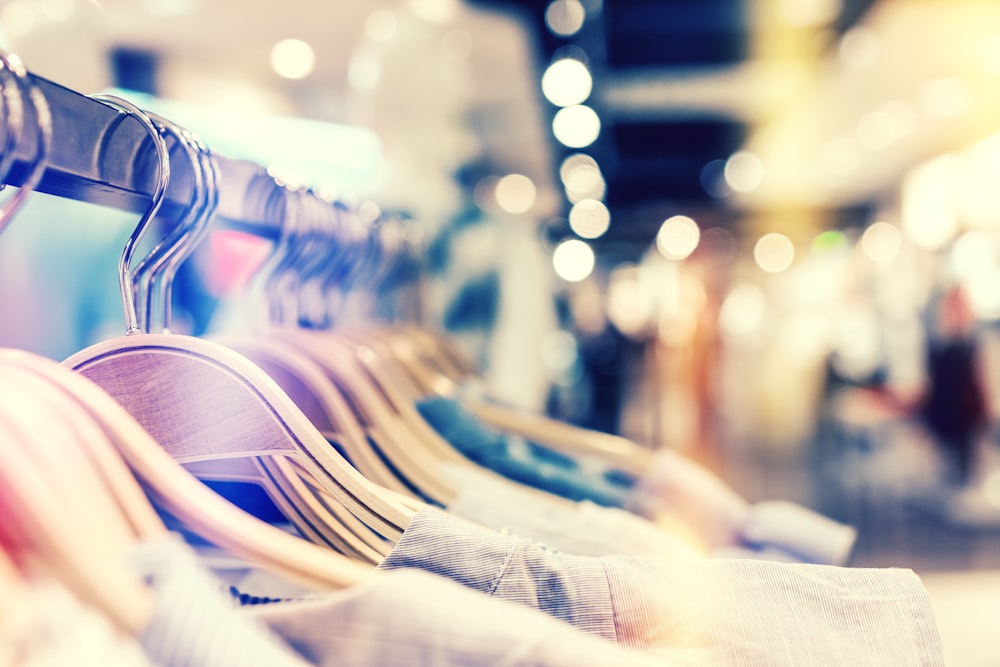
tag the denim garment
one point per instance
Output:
(520, 460)
(691, 612)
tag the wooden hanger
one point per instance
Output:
(624, 454)
(201, 400)
(198, 507)
(381, 423)
(320, 400)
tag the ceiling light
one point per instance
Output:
(567, 82)
(292, 58)
(774, 252)
(565, 17)
(576, 126)
(589, 218)
(515, 193)
(573, 260)
(678, 237)
(744, 171)
(881, 242)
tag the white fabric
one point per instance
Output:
(674, 488)
(691, 612)
(194, 622)
(412, 618)
(53, 629)
(581, 528)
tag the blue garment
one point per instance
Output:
(691, 612)
(520, 460)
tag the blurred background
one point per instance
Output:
(763, 233)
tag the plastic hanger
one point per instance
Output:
(201, 400)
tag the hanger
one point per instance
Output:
(308, 386)
(370, 409)
(201, 400)
(199, 508)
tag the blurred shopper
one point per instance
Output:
(954, 404)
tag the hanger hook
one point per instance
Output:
(163, 178)
(43, 118)
(146, 272)
(189, 242)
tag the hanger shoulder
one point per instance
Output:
(311, 389)
(198, 507)
(201, 400)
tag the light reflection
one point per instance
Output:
(830, 241)
(59, 10)
(573, 260)
(565, 17)
(744, 171)
(629, 302)
(743, 309)
(567, 82)
(576, 126)
(582, 178)
(678, 237)
(515, 193)
(929, 217)
(589, 218)
(882, 242)
(292, 58)
(774, 252)
(984, 298)
(973, 252)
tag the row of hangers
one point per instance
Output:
(319, 413)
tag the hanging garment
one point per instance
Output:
(582, 528)
(412, 618)
(691, 612)
(193, 622)
(670, 493)
(49, 627)
(671, 489)
(520, 460)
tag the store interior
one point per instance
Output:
(764, 235)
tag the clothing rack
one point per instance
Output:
(103, 156)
